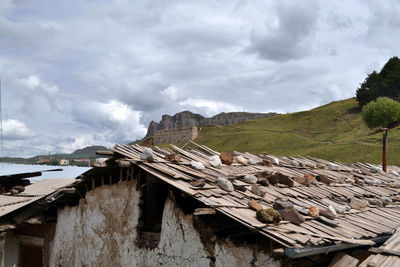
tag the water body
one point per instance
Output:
(67, 172)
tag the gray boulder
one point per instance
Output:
(148, 155)
(225, 184)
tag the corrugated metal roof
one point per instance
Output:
(31, 194)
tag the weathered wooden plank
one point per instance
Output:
(168, 180)
(384, 251)
(347, 240)
(341, 259)
(204, 211)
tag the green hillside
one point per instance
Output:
(86, 152)
(333, 132)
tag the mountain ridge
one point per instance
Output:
(188, 119)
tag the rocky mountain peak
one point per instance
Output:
(188, 119)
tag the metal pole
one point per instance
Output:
(384, 149)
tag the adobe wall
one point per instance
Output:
(102, 231)
(175, 136)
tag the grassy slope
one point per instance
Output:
(333, 132)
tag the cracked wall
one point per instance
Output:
(102, 231)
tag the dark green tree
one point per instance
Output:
(384, 83)
(384, 112)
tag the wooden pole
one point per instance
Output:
(384, 149)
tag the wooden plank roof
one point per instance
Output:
(386, 255)
(32, 193)
(354, 226)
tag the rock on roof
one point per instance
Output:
(332, 184)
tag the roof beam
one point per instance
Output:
(295, 253)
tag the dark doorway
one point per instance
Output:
(30, 256)
(154, 194)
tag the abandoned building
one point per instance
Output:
(199, 207)
(167, 136)
(26, 228)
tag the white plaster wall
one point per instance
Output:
(227, 254)
(265, 259)
(102, 231)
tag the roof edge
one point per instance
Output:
(295, 253)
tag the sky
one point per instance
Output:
(76, 73)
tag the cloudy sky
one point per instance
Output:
(78, 73)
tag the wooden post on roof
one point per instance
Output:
(110, 179)
(120, 174)
(384, 149)
(123, 163)
(102, 180)
(93, 182)
(105, 153)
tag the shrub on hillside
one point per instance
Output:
(382, 112)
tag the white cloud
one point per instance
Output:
(117, 111)
(171, 92)
(114, 120)
(5, 6)
(15, 130)
(38, 88)
(208, 107)
(32, 82)
(96, 72)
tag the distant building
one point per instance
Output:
(42, 161)
(100, 160)
(175, 136)
(63, 162)
(82, 162)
